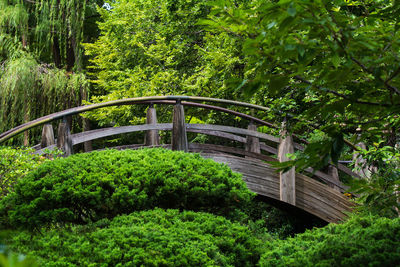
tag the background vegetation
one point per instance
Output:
(329, 68)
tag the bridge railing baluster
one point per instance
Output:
(152, 137)
(287, 179)
(179, 136)
(47, 136)
(252, 143)
(64, 140)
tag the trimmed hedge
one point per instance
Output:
(361, 241)
(147, 238)
(15, 164)
(88, 187)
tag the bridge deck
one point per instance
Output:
(311, 195)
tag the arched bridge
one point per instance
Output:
(319, 193)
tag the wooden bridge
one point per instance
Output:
(319, 193)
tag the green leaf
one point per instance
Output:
(276, 83)
(335, 60)
(291, 10)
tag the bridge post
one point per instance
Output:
(360, 165)
(47, 136)
(64, 140)
(179, 136)
(253, 143)
(333, 171)
(152, 137)
(287, 179)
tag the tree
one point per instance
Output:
(37, 40)
(156, 48)
(333, 65)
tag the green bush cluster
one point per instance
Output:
(361, 241)
(88, 187)
(146, 238)
(15, 164)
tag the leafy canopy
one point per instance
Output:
(332, 65)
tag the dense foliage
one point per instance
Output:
(332, 65)
(15, 164)
(151, 47)
(361, 241)
(150, 238)
(40, 53)
(92, 186)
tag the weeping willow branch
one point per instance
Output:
(29, 90)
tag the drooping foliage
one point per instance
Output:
(361, 241)
(52, 30)
(40, 54)
(149, 238)
(29, 90)
(92, 186)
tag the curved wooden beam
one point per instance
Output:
(128, 101)
(311, 195)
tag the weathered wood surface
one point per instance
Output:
(105, 132)
(333, 172)
(64, 139)
(234, 130)
(152, 137)
(311, 195)
(179, 136)
(47, 136)
(287, 179)
(128, 101)
(253, 143)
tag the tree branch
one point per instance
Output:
(299, 78)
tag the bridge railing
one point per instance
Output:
(254, 148)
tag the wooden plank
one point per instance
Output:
(152, 137)
(47, 136)
(233, 130)
(231, 150)
(287, 179)
(311, 196)
(225, 135)
(179, 136)
(101, 133)
(268, 148)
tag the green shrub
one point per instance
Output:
(15, 164)
(92, 186)
(361, 241)
(150, 238)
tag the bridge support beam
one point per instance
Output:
(179, 136)
(253, 143)
(287, 179)
(64, 140)
(47, 136)
(152, 138)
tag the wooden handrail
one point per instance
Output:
(132, 101)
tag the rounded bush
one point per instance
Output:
(15, 164)
(147, 238)
(88, 187)
(361, 241)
